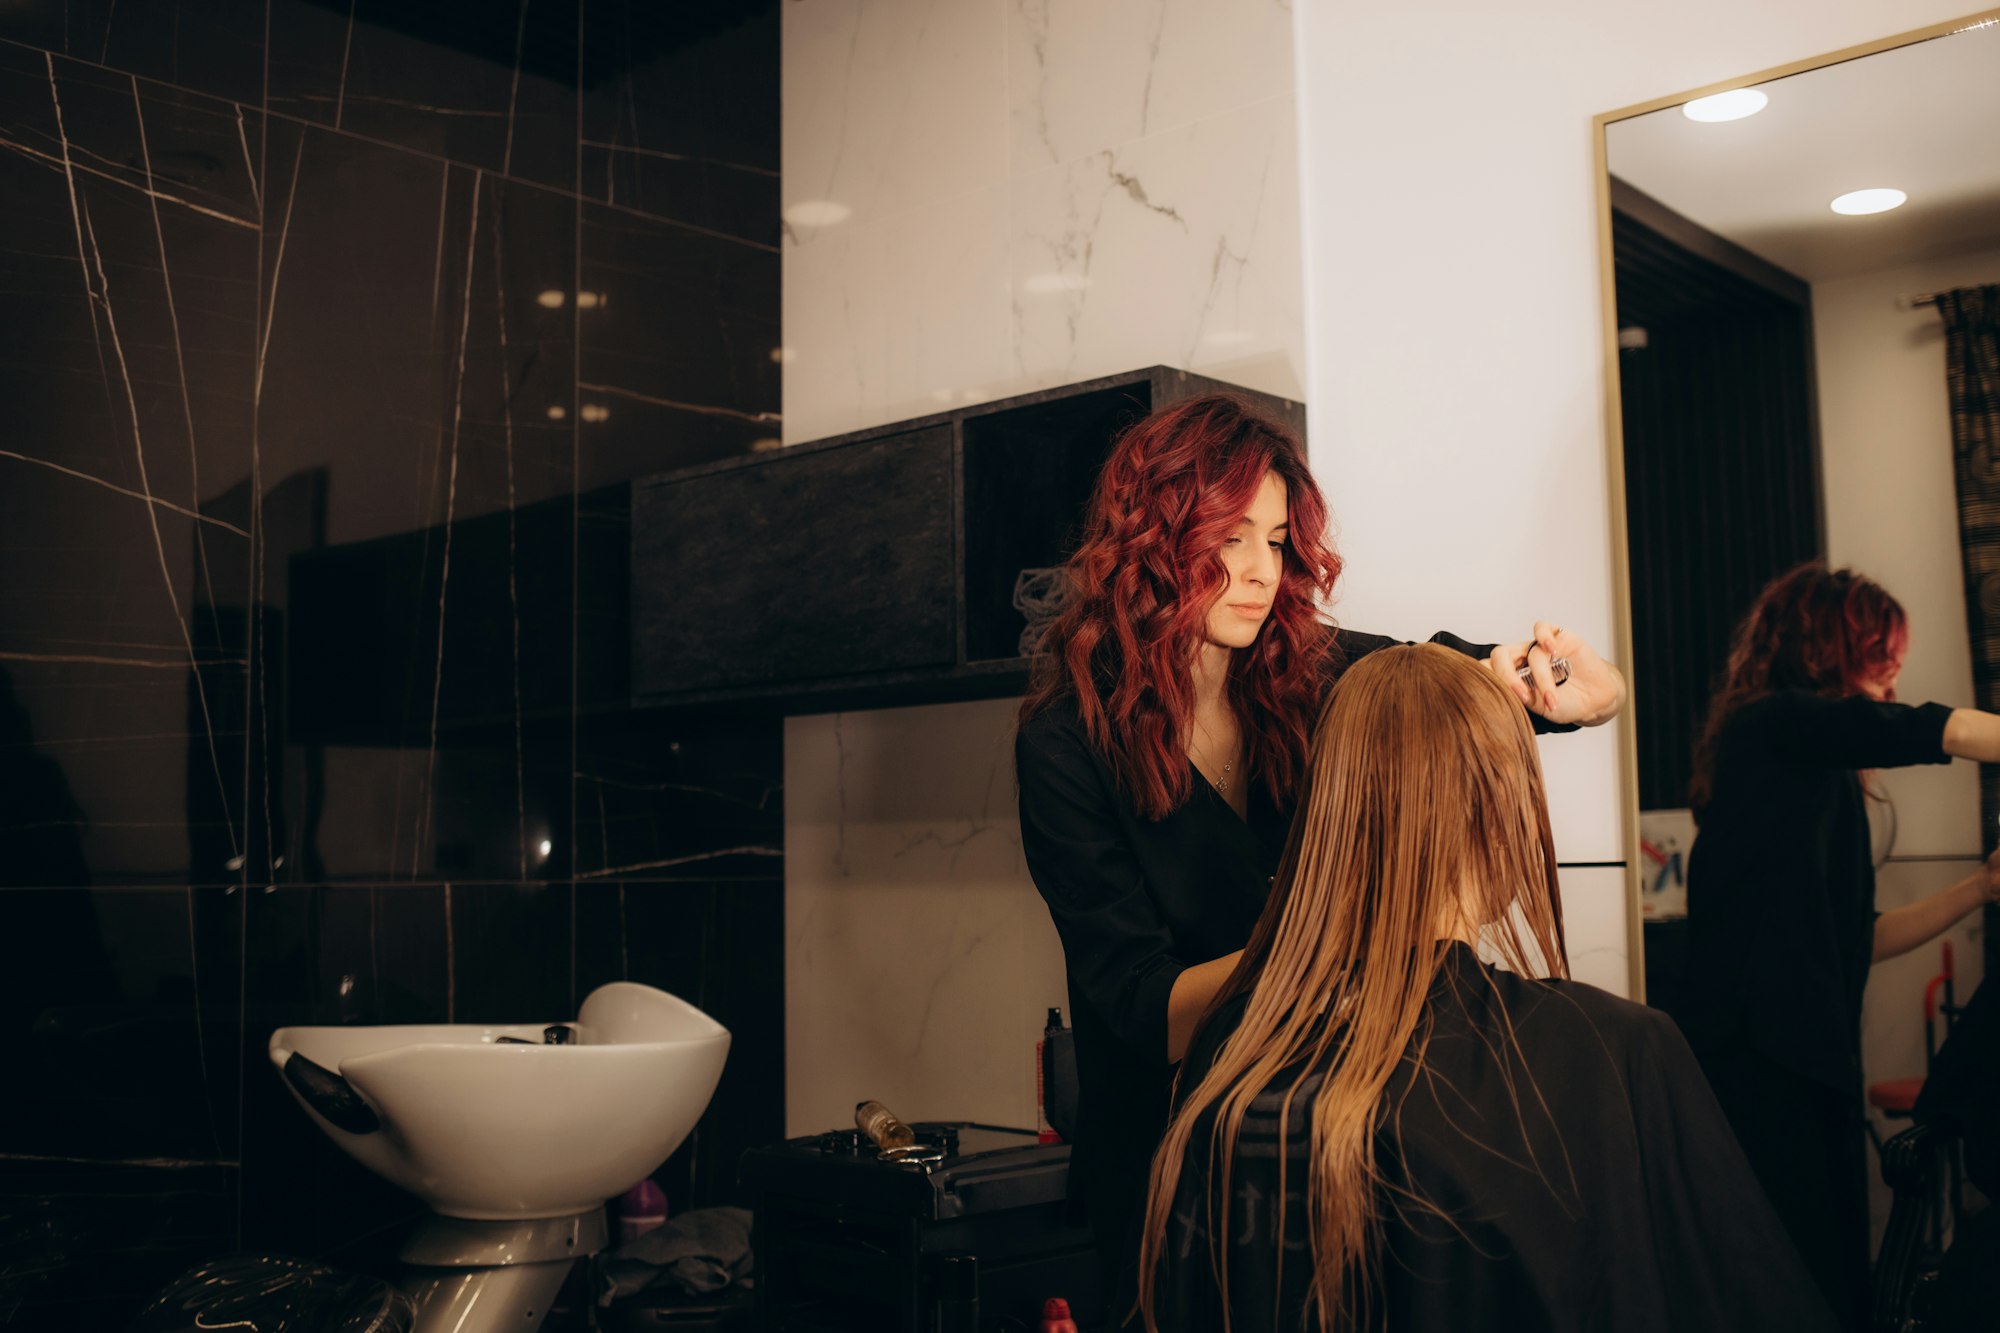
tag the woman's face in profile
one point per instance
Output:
(1254, 555)
(1882, 687)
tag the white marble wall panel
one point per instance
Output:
(985, 198)
(1081, 77)
(919, 961)
(1181, 248)
(908, 315)
(890, 104)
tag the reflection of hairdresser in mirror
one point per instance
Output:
(1162, 750)
(1781, 891)
(1377, 1130)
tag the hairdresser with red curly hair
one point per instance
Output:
(1163, 747)
(1782, 924)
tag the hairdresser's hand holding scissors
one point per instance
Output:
(1592, 692)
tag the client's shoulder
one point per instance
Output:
(1560, 1007)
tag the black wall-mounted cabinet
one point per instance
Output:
(835, 562)
(878, 568)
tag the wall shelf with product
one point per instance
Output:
(885, 567)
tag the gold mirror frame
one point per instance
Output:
(1614, 432)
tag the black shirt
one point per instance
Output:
(1560, 1165)
(1136, 901)
(1963, 1087)
(1781, 881)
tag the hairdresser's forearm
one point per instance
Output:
(1188, 1000)
(1971, 734)
(1905, 928)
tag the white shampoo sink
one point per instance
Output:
(493, 1123)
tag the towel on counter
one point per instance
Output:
(698, 1252)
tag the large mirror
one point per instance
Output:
(1786, 253)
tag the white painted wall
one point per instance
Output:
(1891, 504)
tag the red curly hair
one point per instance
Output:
(1827, 631)
(1144, 578)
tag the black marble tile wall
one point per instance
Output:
(332, 333)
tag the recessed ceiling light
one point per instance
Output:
(1044, 284)
(552, 299)
(1732, 105)
(817, 213)
(1858, 202)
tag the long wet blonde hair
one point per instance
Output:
(1424, 822)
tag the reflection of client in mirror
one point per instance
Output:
(1781, 891)
(1379, 1131)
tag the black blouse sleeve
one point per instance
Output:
(1355, 645)
(1118, 950)
(1856, 732)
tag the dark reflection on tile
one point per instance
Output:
(659, 394)
(130, 315)
(86, 1245)
(695, 796)
(214, 47)
(488, 85)
(409, 352)
(689, 133)
(728, 199)
(121, 1010)
(713, 944)
(436, 747)
(196, 152)
(511, 949)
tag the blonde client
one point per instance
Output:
(1377, 1130)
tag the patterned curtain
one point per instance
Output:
(1972, 375)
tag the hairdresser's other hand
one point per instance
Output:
(1594, 692)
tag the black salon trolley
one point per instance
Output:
(848, 1242)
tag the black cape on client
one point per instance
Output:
(1576, 1175)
